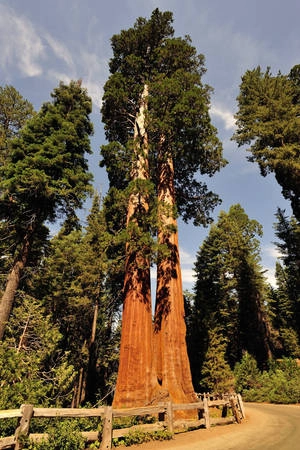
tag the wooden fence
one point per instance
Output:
(165, 412)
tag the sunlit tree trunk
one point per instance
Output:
(13, 280)
(172, 363)
(135, 380)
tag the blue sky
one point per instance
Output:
(43, 42)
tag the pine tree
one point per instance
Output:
(45, 177)
(230, 291)
(216, 375)
(33, 369)
(14, 112)
(268, 121)
(284, 307)
(98, 268)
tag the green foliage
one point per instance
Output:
(32, 368)
(14, 112)
(44, 177)
(129, 421)
(246, 373)
(285, 305)
(230, 292)
(216, 375)
(63, 435)
(95, 444)
(47, 165)
(139, 437)
(177, 108)
(76, 293)
(280, 384)
(268, 121)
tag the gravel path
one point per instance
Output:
(266, 427)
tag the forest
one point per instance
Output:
(64, 294)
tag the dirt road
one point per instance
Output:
(266, 427)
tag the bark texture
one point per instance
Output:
(172, 362)
(13, 280)
(136, 378)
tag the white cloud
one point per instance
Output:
(185, 257)
(94, 73)
(60, 50)
(21, 46)
(225, 115)
(270, 276)
(272, 252)
(35, 52)
(188, 277)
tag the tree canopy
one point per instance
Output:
(161, 140)
(14, 112)
(178, 108)
(230, 291)
(44, 176)
(268, 119)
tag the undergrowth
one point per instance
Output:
(279, 384)
(139, 437)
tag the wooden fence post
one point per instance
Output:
(23, 426)
(234, 408)
(241, 406)
(206, 411)
(170, 417)
(107, 429)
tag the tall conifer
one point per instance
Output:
(156, 115)
(46, 175)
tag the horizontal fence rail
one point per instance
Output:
(166, 413)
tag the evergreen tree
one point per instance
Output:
(246, 373)
(230, 292)
(268, 119)
(45, 177)
(73, 288)
(71, 310)
(33, 369)
(14, 112)
(285, 305)
(216, 375)
(155, 110)
(98, 269)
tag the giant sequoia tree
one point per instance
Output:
(268, 121)
(156, 115)
(45, 176)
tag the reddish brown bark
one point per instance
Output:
(136, 379)
(13, 280)
(173, 368)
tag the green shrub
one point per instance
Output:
(139, 437)
(246, 374)
(280, 384)
(65, 435)
(129, 421)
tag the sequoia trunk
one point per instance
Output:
(172, 363)
(135, 380)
